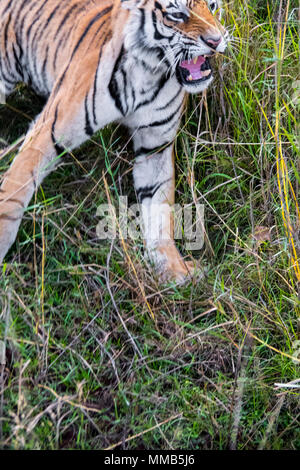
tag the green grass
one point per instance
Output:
(87, 366)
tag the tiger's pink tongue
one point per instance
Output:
(194, 68)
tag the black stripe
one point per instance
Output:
(149, 191)
(56, 53)
(157, 34)
(133, 96)
(158, 5)
(125, 89)
(113, 84)
(164, 121)
(58, 148)
(21, 52)
(44, 68)
(142, 24)
(6, 39)
(67, 15)
(17, 63)
(95, 88)
(7, 7)
(152, 151)
(160, 85)
(88, 128)
(171, 101)
(6, 30)
(93, 21)
(19, 17)
(51, 16)
(146, 66)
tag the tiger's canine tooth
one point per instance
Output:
(195, 60)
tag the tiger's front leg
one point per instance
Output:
(20, 181)
(154, 180)
(60, 126)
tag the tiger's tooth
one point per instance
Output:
(205, 73)
(190, 78)
(195, 60)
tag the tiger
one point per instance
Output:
(96, 62)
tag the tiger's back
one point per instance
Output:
(100, 61)
(38, 37)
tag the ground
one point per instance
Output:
(95, 353)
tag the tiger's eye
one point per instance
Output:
(177, 16)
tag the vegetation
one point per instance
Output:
(94, 352)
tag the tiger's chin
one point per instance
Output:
(195, 75)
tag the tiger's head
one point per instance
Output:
(178, 35)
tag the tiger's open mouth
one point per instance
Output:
(194, 71)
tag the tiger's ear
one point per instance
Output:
(130, 4)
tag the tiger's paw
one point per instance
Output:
(171, 267)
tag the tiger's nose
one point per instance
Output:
(212, 42)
